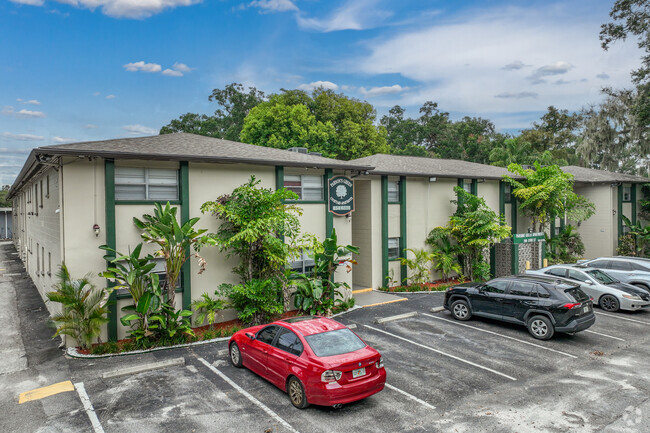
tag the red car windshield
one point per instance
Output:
(334, 342)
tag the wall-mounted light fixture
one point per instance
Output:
(433, 179)
(96, 229)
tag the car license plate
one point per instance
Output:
(359, 372)
(585, 309)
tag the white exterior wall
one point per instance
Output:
(489, 190)
(363, 228)
(599, 233)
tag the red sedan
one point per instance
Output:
(314, 359)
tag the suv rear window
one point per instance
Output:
(576, 294)
(334, 342)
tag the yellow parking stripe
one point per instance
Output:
(354, 292)
(386, 302)
(46, 391)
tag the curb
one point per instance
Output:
(397, 317)
(437, 309)
(411, 293)
(142, 368)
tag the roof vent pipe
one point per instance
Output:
(302, 150)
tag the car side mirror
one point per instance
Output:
(251, 336)
(589, 283)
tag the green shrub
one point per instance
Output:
(626, 245)
(419, 265)
(256, 301)
(207, 309)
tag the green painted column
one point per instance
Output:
(562, 223)
(109, 197)
(493, 260)
(402, 224)
(513, 213)
(279, 177)
(515, 258)
(384, 230)
(619, 212)
(461, 184)
(186, 273)
(474, 187)
(329, 216)
(502, 198)
(633, 198)
(552, 227)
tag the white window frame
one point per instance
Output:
(147, 183)
(627, 193)
(393, 244)
(467, 185)
(303, 263)
(393, 191)
(302, 189)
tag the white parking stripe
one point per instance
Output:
(622, 318)
(412, 397)
(604, 335)
(255, 401)
(88, 406)
(442, 353)
(501, 335)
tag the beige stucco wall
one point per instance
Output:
(489, 190)
(599, 232)
(363, 233)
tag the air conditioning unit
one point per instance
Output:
(302, 150)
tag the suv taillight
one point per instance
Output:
(571, 306)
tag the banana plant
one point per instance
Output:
(641, 234)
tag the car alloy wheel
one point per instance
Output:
(460, 310)
(609, 303)
(235, 355)
(297, 393)
(541, 327)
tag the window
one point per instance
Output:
(600, 264)
(523, 289)
(640, 267)
(496, 287)
(393, 248)
(393, 191)
(289, 342)
(47, 185)
(617, 265)
(42, 260)
(333, 343)
(40, 204)
(49, 264)
(467, 185)
(577, 276)
(304, 264)
(267, 334)
(627, 193)
(558, 272)
(138, 183)
(35, 199)
(542, 292)
(307, 187)
(507, 193)
(38, 260)
(601, 277)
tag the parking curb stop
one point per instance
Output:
(145, 367)
(437, 309)
(397, 317)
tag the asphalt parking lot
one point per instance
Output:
(443, 375)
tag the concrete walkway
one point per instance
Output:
(372, 298)
(12, 351)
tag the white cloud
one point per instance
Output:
(111, 96)
(353, 15)
(459, 63)
(516, 65)
(557, 68)
(172, 73)
(142, 66)
(379, 91)
(23, 113)
(139, 130)
(29, 2)
(30, 102)
(61, 140)
(316, 84)
(21, 137)
(520, 95)
(181, 67)
(268, 6)
(90, 126)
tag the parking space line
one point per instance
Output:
(253, 400)
(501, 335)
(411, 396)
(622, 318)
(604, 335)
(442, 353)
(88, 406)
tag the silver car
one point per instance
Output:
(608, 292)
(631, 270)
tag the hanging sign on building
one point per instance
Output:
(523, 238)
(341, 195)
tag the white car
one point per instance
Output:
(606, 291)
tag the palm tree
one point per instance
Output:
(83, 311)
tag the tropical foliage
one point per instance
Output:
(419, 266)
(473, 228)
(641, 236)
(207, 308)
(444, 253)
(546, 193)
(256, 301)
(83, 308)
(565, 248)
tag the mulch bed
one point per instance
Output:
(435, 286)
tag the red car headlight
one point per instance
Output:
(330, 376)
(380, 363)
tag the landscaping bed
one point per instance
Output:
(436, 286)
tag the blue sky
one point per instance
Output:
(77, 70)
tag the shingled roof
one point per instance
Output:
(589, 175)
(191, 147)
(421, 166)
